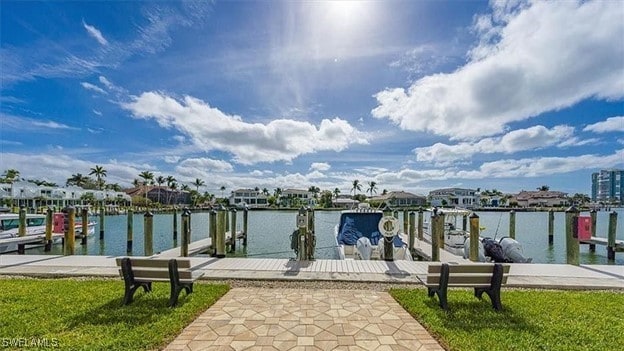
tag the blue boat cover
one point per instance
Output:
(356, 225)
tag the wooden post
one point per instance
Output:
(21, 230)
(130, 230)
(611, 236)
(148, 233)
(101, 223)
(551, 227)
(420, 224)
(233, 230)
(405, 221)
(309, 234)
(512, 224)
(245, 227)
(441, 229)
(412, 230)
(175, 224)
(464, 222)
(48, 231)
(303, 221)
(436, 221)
(572, 243)
(221, 221)
(85, 226)
(592, 213)
(70, 231)
(186, 232)
(212, 230)
(474, 237)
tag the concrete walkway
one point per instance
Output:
(311, 319)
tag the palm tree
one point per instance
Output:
(198, 182)
(136, 183)
(171, 184)
(384, 192)
(10, 175)
(160, 180)
(265, 191)
(315, 190)
(356, 187)
(147, 176)
(543, 188)
(372, 188)
(222, 190)
(77, 180)
(99, 172)
(336, 192)
(185, 187)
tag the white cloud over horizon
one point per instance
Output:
(611, 124)
(210, 129)
(525, 65)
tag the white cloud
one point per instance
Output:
(206, 164)
(320, 166)
(535, 57)
(532, 138)
(210, 129)
(23, 123)
(95, 33)
(90, 86)
(97, 112)
(172, 159)
(611, 124)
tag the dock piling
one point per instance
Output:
(130, 230)
(405, 221)
(512, 224)
(48, 232)
(102, 213)
(70, 231)
(437, 226)
(572, 242)
(212, 231)
(412, 230)
(233, 230)
(464, 222)
(593, 214)
(611, 236)
(420, 224)
(221, 222)
(551, 227)
(85, 226)
(245, 227)
(309, 237)
(21, 231)
(302, 222)
(148, 233)
(186, 232)
(175, 224)
(474, 237)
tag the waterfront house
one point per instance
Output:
(459, 197)
(400, 199)
(296, 198)
(541, 198)
(344, 201)
(248, 198)
(161, 194)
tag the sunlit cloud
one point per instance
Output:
(92, 87)
(611, 124)
(95, 33)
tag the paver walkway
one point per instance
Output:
(310, 319)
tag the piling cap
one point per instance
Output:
(233, 210)
(186, 212)
(221, 207)
(572, 209)
(148, 214)
(474, 215)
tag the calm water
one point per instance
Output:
(269, 234)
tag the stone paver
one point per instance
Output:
(304, 319)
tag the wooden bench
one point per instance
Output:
(140, 272)
(483, 277)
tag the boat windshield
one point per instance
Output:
(8, 224)
(356, 225)
(32, 222)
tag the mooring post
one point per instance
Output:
(551, 227)
(221, 222)
(436, 221)
(21, 231)
(309, 234)
(464, 222)
(48, 231)
(592, 214)
(420, 224)
(572, 243)
(233, 230)
(412, 231)
(302, 220)
(474, 237)
(212, 231)
(148, 233)
(441, 229)
(175, 224)
(512, 224)
(405, 221)
(102, 223)
(186, 232)
(85, 226)
(70, 231)
(611, 236)
(130, 230)
(245, 227)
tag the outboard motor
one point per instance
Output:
(481, 255)
(493, 249)
(513, 250)
(364, 247)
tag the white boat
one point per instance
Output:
(454, 236)
(35, 225)
(362, 233)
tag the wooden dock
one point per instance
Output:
(619, 244)
(195, 247)
(422, 250)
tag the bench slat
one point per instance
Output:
(467, 268)
(154, 262)
(464, 280)
(146, 274)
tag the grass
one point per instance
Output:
(530, 320)
(88, 315)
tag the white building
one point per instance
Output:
(248, 198)
(297, 197)
(459, 197)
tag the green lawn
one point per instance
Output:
(530, 320)
(88, 315)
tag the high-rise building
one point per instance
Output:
(608, 186)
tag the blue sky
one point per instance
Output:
(414, 95)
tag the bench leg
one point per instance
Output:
(176, 286)
(131, 285)
(495, 287)
(442, 288)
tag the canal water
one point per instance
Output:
(269, 235)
